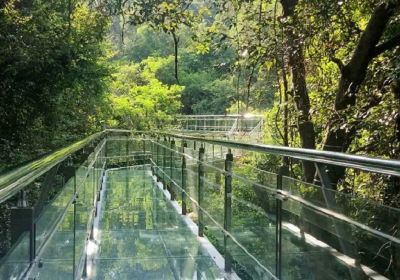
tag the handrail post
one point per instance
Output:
(144, 150)
(106, 147)
(200, 190)
(151, 155)
(171, 171)
(74, 227)
(228, 208)
(127, 152)
(283, 171)
(183, 178)
(157, 159)
(164, 164)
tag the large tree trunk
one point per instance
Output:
(301, 98)
(338, 138)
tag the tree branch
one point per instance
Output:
(338, 62)
(388, 45)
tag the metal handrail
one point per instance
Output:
(378, 165)
(15, 180)
(287, 194)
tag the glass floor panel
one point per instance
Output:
(141, 236)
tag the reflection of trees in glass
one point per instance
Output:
(253, 225)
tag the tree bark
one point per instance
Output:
(339, 138)
(176, 43)
(301, 98)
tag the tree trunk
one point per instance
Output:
(250, 79)
(339, 138)
(301, 98)
(116, 31)
(176, 43)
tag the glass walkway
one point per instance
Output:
(134, 205)
(142, 236)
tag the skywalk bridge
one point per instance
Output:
(128, 205)
(247, 127)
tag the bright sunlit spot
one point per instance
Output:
(248, 115)
(95, 233)
(91, 248)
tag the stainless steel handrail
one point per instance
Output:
(15, 180)
(378, 165)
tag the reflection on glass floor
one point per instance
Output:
(141, 236)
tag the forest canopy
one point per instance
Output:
(325, 73)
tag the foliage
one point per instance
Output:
(138, 99)
(146, 42)
(52, 72)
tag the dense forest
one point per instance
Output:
(324, 73)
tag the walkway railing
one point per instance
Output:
(249, 213)
(268, 225)
(40, 205)
(247, 125)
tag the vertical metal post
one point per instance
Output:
(33, 241)
(214, 124)
(164, 164)
(151, 156)
(153, 150)
(74, 226)
(106, 150)
(171, 171)
(94, 189)
(127, 152)
(283, 171)
(157, 158)
(98, 187)
(200, 190)
(228, 208)
(183, 178)
(144, 151)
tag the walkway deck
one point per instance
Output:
(141, 236)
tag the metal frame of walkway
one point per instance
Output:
(246, 126)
